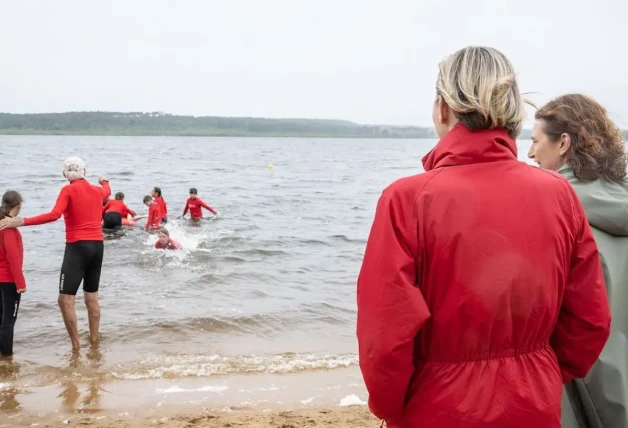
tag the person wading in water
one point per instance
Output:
(80, 204)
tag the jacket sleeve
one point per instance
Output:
(54, 215)
(584, 320)
(15, 259)
(207, 207)
(391, 308)
(185, 210)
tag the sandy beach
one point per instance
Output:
(313, 417)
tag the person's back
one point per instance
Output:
(493, 282)
(481, 290)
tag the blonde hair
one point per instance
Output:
(479, 85)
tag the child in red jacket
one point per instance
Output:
(153, 222)
(194, 204)
(156, 194)
(12, 282)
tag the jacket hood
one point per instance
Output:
(605, 202)
(460, 146)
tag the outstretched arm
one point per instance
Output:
(54, 215)
(207, 207)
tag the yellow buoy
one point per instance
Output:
(270, 166)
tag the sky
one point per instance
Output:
(368, 61)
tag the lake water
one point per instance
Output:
(259, 309)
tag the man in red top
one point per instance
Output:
(165, 242)
(194, 205)
(114, 211)
(80, 204)
(156, 194)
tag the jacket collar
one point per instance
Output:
(460, 146)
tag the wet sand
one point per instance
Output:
(348, 417)
(319, 398)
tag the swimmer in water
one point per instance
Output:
(156, 194)
(194, 204)
(80, 204)
(114, 211)
(165, 242)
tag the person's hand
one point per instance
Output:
(181, 217)
(22, 291)
(10, 223)
(101, 179)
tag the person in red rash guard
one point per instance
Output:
(153, 222)
(194, 204)
(481, 290)
(114, 211)
(12, 282)
(165, 242)
(80, 204)
(156, 194)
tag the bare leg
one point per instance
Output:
(68, 310)
(93, 312)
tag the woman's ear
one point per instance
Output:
(565, 144)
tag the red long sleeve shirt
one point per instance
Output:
(80, 204)
(154, 217)
(194, 205)
(117, 206)
(12, 258)
(162, 206)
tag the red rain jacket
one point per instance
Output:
(481, 291)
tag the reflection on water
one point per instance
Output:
(9, 371)
(80, 389)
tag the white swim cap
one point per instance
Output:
(74, 168)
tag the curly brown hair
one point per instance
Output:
(597, 149)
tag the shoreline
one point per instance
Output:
(338, 417)
(335, 396)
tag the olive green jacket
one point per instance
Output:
(600, 400)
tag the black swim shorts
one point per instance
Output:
(82, 261)
(112, 220)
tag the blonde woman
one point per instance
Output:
(481, 290)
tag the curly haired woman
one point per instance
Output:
(574, 136)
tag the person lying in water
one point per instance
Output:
(114, 211)
(165, 242)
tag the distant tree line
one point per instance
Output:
(159, 123)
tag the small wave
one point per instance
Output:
(345, 238)
(177, 389)
(180, 366)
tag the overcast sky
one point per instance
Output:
(370, 61)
